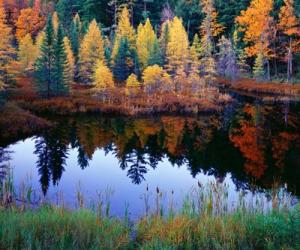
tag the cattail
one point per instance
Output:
(199, 184)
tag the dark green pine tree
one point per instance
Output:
(60, 65)
(155, 55)
(123, 64)
(64, 9)
(45, 63)
(75, 36)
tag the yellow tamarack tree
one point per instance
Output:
(164, 37)
(91, 51)
(194, 81)
(124, 30)
(38, 43)
(177, 47)
(70, 69)
(145, 41)
(103, 78)
(55, 22)
(132, 85)
(155, 79)
(26, 53)
(7, 51)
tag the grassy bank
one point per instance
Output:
(57, 228)
(265, 88)
(205, 221)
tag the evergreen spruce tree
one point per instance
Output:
(197, 46)
(122, 66)
(61, 80)
(64, 12)
(75, 35)
(45, 62)
(155, 56)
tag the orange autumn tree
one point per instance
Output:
(256, 24)
(210, 25)
(289, 26)
(29, 22)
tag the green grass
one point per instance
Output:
(55, 228)
(205, 221)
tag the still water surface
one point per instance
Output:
(251, 146)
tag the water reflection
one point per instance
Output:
(256, 144)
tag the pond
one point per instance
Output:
(251, 146)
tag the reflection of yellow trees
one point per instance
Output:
(136, 133)
(91, 136)
(173, 128)
(145, 128)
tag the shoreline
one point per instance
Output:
(251, 86)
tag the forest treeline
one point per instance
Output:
(159, 47)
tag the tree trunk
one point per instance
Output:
(268, 70)
(290, 62)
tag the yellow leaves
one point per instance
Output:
(132, 85)
(124, 26)
(55, 22)
(38, 43)
(103, 78)
(152, 74)
(70, 59)
(132, 82)
(27, 53)
(7, 51)
(124, 30)
(178, 45)
(152, 78)
(256, 22)
(288, 21)
(91, 51)
(145, 40)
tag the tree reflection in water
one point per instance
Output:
(254, 143)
